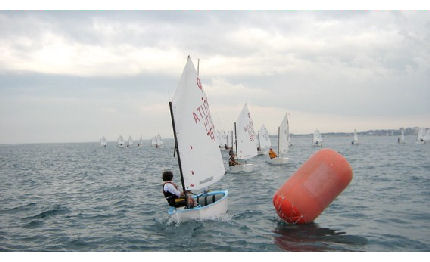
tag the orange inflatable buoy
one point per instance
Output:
(313, 187)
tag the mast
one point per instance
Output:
(235, 137)
(259, 143)
(198, 67)
(279, 150)
(177, 150)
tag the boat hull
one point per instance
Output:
(209, 211)
(260, 152)
(242, 168)
(278, 161)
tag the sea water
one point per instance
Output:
(83, 197)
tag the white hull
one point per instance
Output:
(242, 168)
(211, 211)
(278, 161)
(320, 144)
(354, 143)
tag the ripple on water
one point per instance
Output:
(80, 197)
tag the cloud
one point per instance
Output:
(119, 69)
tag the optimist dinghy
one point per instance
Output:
(120, 142)
(355, 139)
(263, 141)
(401, 139)
(199, 157)
(103, 142)
(283, 143)
(317, 138)
(245, 142)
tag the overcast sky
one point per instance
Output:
(71, 76)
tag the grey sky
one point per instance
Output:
(69, 76)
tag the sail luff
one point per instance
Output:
(177, 150)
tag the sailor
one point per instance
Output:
(171, 191)
(272, 154)
(231, 153)
(232, 161)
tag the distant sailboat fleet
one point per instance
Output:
(228, 139)
(198, 145)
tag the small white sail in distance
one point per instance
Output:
(159, 140)
(103, 141)
(355, 139)
(263, 138)
(283, 137)
(317, 137)
(120, 140)
(201, 160)
(246, 138)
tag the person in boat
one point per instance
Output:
(272, 154)
(232, 161)
(173, 195)
(258, 148)
(231, 153)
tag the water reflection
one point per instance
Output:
(312, 238)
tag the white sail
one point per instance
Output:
(154, 141)
(229, 139)
(120, 141)
(283, 142)
(420, 135)
(159, 140)
(245, 134)
(317, 139)
(426, 136)
(103, 141)
(355, 138)
(140, 141)
(130, 141)
(401, 139)
(201, 160)
(219, 138)
(263, 138)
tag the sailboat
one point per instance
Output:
(245, 141)
(103, 142)
(199, 157)
(157, 141)
(317, 138)
(129, 141)
(120, 142)
(355, 139)
(219, 138)
(423, 135)
(263, 141)
(283, 144)
(229, 140)
(401, 139)
(140, 143)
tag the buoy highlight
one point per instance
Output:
(312, 187)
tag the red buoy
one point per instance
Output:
(312, 187)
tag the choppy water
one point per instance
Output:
(81, 197)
